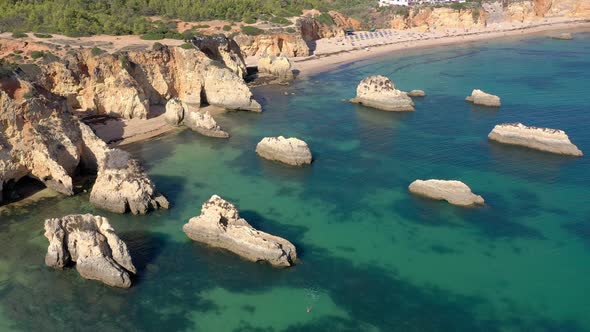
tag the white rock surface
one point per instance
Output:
(479, 97)
(454, 192)
(204, 124)
(91, 243)
(220, 225)
(174, 112)
(379, 92)
(543, 139)
(291, 151)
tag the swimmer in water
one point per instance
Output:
(309, 309)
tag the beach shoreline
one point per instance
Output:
(327, 61)
(120, 132)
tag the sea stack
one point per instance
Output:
(221, 226)
(204, 124)
(91, 243)
(278, 66)
(479, 97)
(454, 192)
(379, 92)
(290, 151)
(543, 139)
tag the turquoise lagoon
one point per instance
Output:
(373, 257)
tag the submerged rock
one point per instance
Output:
(543, 139)
(291, 151)
(417, 93)
(379, 92)
(204, 124)
(454, 192)
(479, 97)
(280, 67)
(174, 112)
(563, 36)
(91, 243)
(220, 225)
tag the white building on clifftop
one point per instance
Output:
(384, 3)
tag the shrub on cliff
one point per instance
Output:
(252, 31)
(19, 35)
(37, 54)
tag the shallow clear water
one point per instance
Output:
(373, 257)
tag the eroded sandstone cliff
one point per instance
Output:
(498, 12)
(126, 84)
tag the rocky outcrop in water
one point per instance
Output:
(127, 84)
(479, 97)
(311, 28)
(290, 45)
(220, 225)
(279, 67)
(204, 124)
(454, 192)
(291, 151)
(417, 93)
(499, 12)
(379, 92)
(91, 243)
(543, 139)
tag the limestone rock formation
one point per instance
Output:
(291, 151)
(224, 50)
(220, 225)
(38, 137)
(344, 22)
(432, 19)
(91, 243)
(126, 84)
(417, 93)
(311, 28)
(204, 124)
(174, 112)
(280, 67)
(454, 192)
(379, 92)
(290, 45)
(479, 97)
(122, 185)
(543, 139)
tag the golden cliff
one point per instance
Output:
(126, 84)
(431, 19)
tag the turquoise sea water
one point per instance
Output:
(373, 257)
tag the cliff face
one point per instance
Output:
(41, 137)
(290, 45)
(127, 84)
(429, 19)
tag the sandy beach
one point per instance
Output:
(333, 52)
